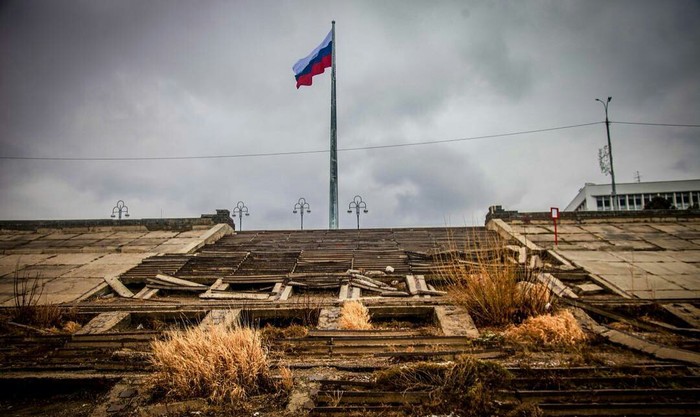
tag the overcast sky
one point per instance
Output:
(170, 78)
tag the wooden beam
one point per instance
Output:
(118, 287)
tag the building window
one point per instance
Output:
(636, 202)
(603, 203)
(622, 202)
(696, 198)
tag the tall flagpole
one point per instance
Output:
(333, 195)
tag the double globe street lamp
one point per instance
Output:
(240, 209)
(357, 204)
(300, 207)
(119, 209)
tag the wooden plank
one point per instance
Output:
(150, 293)
(421, 285)
(411, 285)
(364, 286)
(344, 290)
(370, 280)
(277, 288)
(157, 284)
(686, 312)
(286, 292)
(102, 323)
(235, 296)
(355, 293)
(220, 285)
(432, 292)
(394, 294)
(118, 287)
(167, 279)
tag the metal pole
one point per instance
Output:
(302, 218)
(610, 154)
(333, 194)
(240, 220)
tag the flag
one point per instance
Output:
(315, 63)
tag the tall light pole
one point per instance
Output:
(119, 209)
(610, 152)
(302, 206)
(357, 204)
(240, 209)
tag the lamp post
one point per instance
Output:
(119, 209)
(302, 206)
(610, 152)
(240, 209)
(357, 204)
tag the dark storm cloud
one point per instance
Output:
(173, 78)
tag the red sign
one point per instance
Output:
(554, 212)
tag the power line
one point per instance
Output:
(653, 124)
(360, 148)
(254, 155)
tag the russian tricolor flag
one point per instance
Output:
(315, 63)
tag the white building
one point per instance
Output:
(633, 196)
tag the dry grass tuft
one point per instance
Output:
(494, 289)
(71, 326)
(416, 376)
(222, 365)
(466, 386)
(269, 333)
(286, 379)
(354, 316)
(28, 309)
(559, 330)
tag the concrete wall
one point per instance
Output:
(173, 224)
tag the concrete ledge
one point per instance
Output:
(507, 232)
(88, 225)
(582, 216)
(214, 234)
(636, 343)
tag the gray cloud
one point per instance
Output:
(164, 78)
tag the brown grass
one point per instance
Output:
(354, 316)
(559, 330)
(28, 310)
(286, 379)
(494, 289)
(466, 386)
(221, 365)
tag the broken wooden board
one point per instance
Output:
(146, 293)
(118, 287)
(102, 323)
(229, 295)
(411, 285)
(421, 285)
(177, 282)
(365, 286)
(277, 288)
(160, 286)
(686, 312)
(286, 292)
(344, 291)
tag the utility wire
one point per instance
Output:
(360, 148)
(653, 124)
(253, 155)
